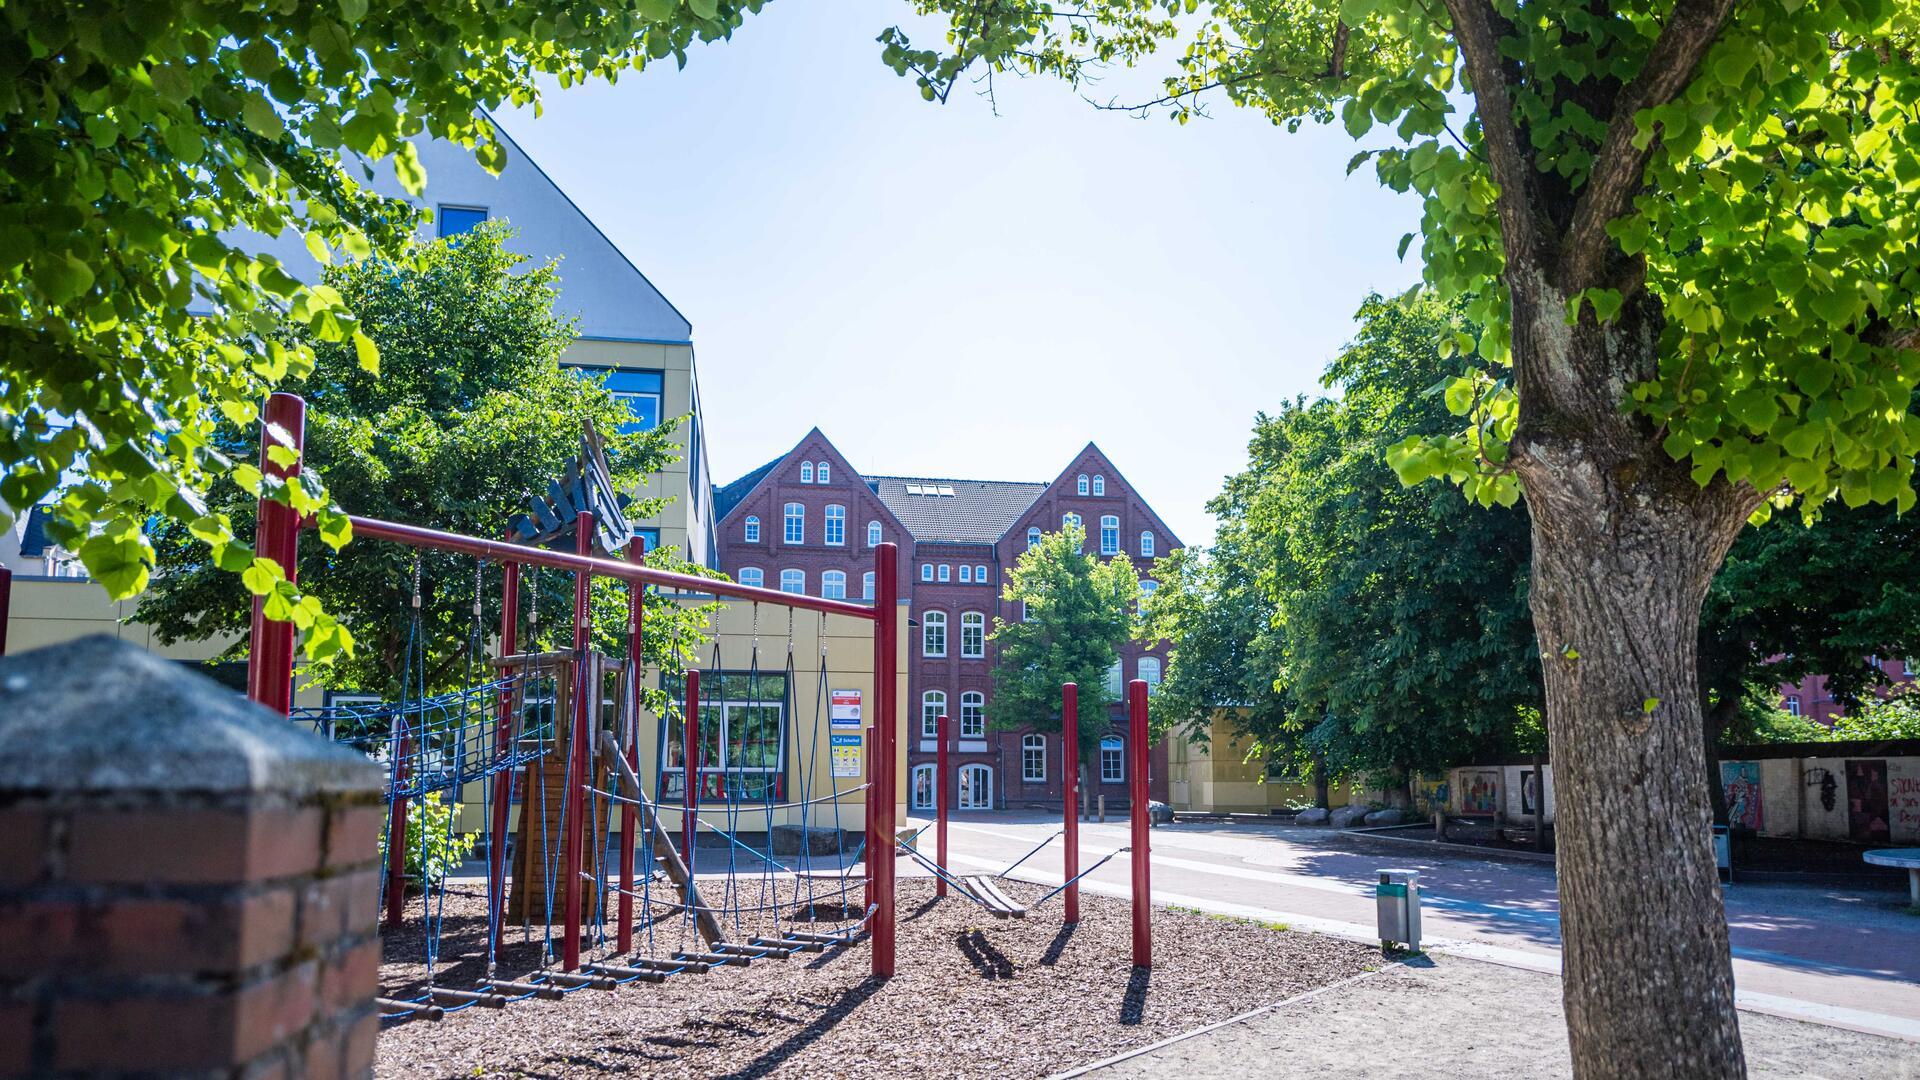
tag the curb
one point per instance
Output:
(1138, 1051)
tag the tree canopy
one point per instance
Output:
(142, 142)
(1076, 611)
(470, 412)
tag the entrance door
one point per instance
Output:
(1867, 801)
(923, 787)
(976, 787)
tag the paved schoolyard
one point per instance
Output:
(1846, 957)
(1456, 1017)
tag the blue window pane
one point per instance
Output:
(640, 391)
(645, 409)
(652, 382)
(454, 220)
(649, 538)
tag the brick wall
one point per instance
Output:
(187, 883)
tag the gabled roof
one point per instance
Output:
(728, 497)
(1166, 533)
(956, 511)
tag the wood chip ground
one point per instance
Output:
(974, 996)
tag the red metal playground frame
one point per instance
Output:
(270, 667)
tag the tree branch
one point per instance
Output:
(1618, 167)
(1478, 28)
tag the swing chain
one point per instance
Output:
(476, 592)
(533, 592)
(416, 583)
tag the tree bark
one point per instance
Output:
(1624, 547)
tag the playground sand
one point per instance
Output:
(973, 996)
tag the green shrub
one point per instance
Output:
(428, 863)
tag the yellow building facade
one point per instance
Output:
(1216, 777)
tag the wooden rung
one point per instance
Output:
(543, 991)
(628, 973)
(717, 959)
(477, 997)
(790, 944)
(413, 1009)
(596, 982)
(754, 948)
(690, 967)
(823, 939)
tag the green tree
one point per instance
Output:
(1396, 636)
(1687, 229)
(470, 413)
(140, 140)
(1077, 611)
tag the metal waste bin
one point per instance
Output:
(1398, 900)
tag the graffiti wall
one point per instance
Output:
(1479, 791)
(1746, 807)
(1430, 794)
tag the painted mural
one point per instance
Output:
(1430, 794)
(1903, 800)
(1741, 781)
(1867, 817)
(1480, 792)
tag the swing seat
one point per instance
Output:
(990, 897)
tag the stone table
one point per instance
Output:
(1907, 859)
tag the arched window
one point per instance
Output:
(1113, 760)
(1033, 759)
(751, 531)
(806, 472)
(1150, 672)
(1146, 543)
(1148, 587)
(966, 574)
(973, 635)
(796, 518)
(933, 705)
(933, 634)
(1114, 679)
(976, 787)
(1083, 484)
(823, 473)
(1099, 484)
(946, 571)
(923, 787)
(866, 585)
(1793, 704)
(793, 581)
(836, 524)
(751, 575)
(1069, 520)
(980, 575)
(833, 585)
(1033, 536)
(973, 715)
(926, 571)
(873, 534)
(1109, 535)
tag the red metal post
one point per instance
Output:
(941, 799)
(397, 827)
(276, 535)
(6, 604)
(690, 793)
(584, 697)
(629, 817)
(1137, 796)
(886, 625)
(504, 730)
(1070, 796)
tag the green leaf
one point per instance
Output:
(366, 352)
(60, 276)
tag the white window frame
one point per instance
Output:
(873, 534)
(1099, 484)
(1149, 669)
(793, 521)
(1146, 545)
(973, 715)
(946, 572)
(933, 705)
(806, 472)
(754, 576)
(923, 774)
(835, 527)
(932, 644)
(1033, 759)
(966, 574)
(1109, 534)
(1033, 536)
(750, 531)
(1082, 487)
(866, 585)
(1792, 704)
(823, 473)
(926, 571)
(961, 799)
(979, 574)
(1113, 760)
(973, 635)
(793, 581)
(1116, 681)
(1069, 519)
(833, 584)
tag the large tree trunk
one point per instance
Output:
(1624, 547)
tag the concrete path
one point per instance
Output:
(1834, 956)
(1449, 1016)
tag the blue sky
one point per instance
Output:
(949, 292)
